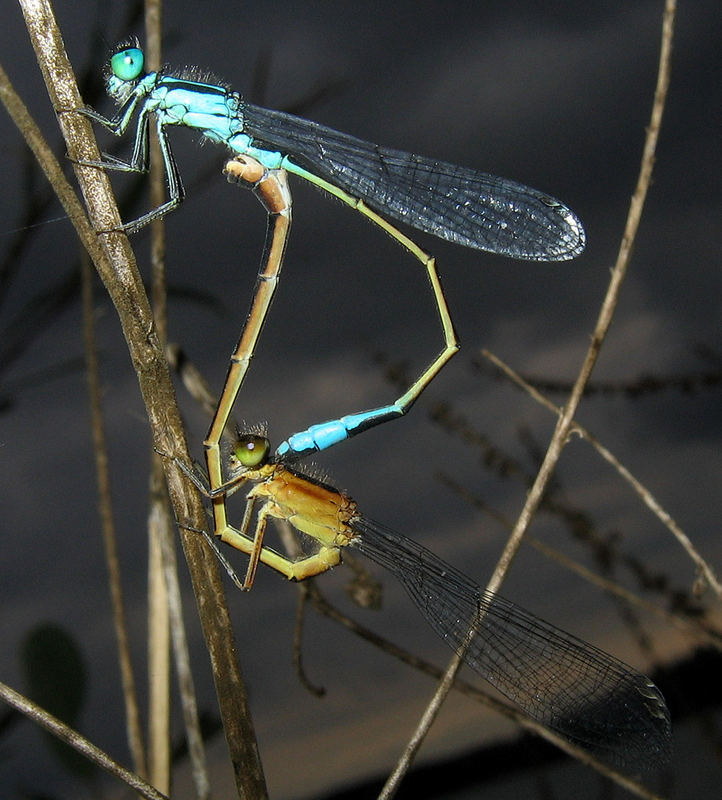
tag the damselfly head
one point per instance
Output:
(249, 452)
(126, 67)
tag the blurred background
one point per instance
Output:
(556, 97)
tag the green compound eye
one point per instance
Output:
(127, 64)
(251, 450)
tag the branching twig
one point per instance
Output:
(642, 491)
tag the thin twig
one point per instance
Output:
(174, 611)
(163, 589)
(158, 647)
(195, 384)
(78, 742)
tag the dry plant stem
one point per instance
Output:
(78, 743)
(157, 180)
(166, 577)
(105, 510)
(705, 570)
(564, 422)
(158, 642)
(308, 685)
(159, 519)
(174, 611)
(115, 263)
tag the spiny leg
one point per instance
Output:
(255, 553)
(140, 161)
(271, 188)
(176, 192)
(323, 559)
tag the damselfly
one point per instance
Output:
(583, 694)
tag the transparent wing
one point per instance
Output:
(580, 692)
(461, 205)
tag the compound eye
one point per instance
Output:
(251, 450)
(127, 65)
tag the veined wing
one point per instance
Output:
(461, 205)
(584, 694)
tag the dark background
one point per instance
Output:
(556, 96)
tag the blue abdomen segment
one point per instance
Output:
(326, 434)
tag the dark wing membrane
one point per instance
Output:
(455, 203)
(582, 693)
